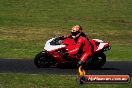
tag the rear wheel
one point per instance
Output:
(97, 61)
(42, 60)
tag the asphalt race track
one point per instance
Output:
(27, 66)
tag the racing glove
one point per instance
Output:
(79, 63)
(61, 37)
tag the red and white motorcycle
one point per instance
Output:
(54, 54)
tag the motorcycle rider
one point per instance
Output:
(82, 44)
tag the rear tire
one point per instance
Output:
(42, 60)
(97, 61)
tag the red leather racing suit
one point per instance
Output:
(83, 45)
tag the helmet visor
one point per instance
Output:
(75, 33)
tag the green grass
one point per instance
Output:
(19, 80)
(120, 52)
(25, 43)
(26, 24)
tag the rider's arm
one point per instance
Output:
(77, 47)
(67, 36)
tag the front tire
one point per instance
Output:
(42, 60)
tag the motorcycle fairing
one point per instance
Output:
(98, 44)
(50, 47)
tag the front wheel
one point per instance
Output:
(42, 60)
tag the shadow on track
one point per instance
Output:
(27, 66)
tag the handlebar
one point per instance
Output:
(57, 41)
